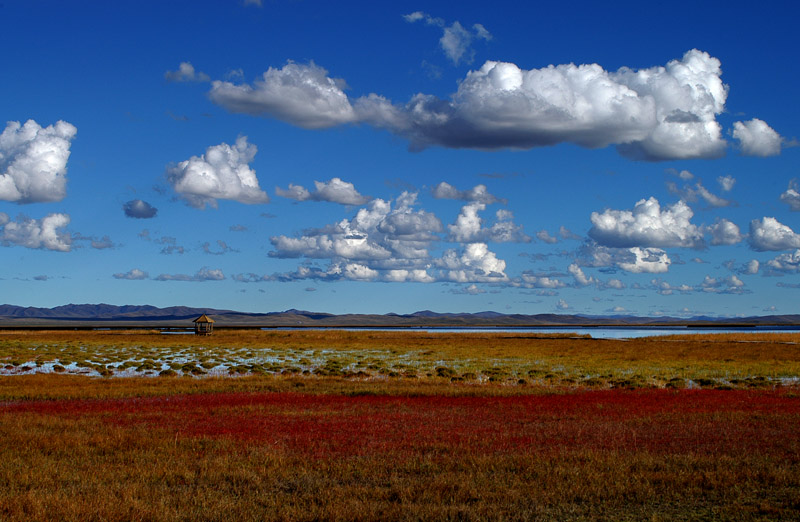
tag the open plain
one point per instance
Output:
(398, 425)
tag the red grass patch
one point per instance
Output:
(702, 422)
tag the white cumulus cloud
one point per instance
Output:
(545, 237)
(335, 191)
(469, 227)
(769, 234)
(478, 193)
(580, 277)
(475, 263)
(186, 73)
(33, 161)
(302, 95)
(647, 225)
(756, 138)
(724, 232)
(792, 196)
(132, 275)
(223, 172)
(647, 260)
(658, 113)
(45, 233)
(724, 285)
(785, 263)
(726, 182)
(204, 274)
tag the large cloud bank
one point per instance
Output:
(658, 113)
(33, 161)
(391, 241)
(223, 172)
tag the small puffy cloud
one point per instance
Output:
(302, 95)
(45, 233)
(359, 272)
(468, 224)
(769, 234)
(635, 260)
(545, 237)
(132, 275)
(647, 260)
(204, 274)
(237, 228)
(692, 194)
(139, 209)
(788, 263)
(334, 191)
(476, 263)
(666, 288)
(402, 275)
(566, 233)
(186, 73)
(685, 175)
(469, 227)
(416, 16)
(222, 245)
(712, 199)
(223, 172)
(478, 193)
(472, 289)
(33, 161)
(726, 182)
(377, 232)
(647, 226)
(752, 267)
(792, 196)
(580, 277)
(756, 138)
(102, 243)
(726, 285)
(456, 40)
(724, 232)
(532, 280)
(562, 305)
(171, 245)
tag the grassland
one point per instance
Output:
(313, 425)
(744, 360)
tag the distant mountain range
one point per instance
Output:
(74, 315)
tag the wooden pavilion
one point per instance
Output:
(203, 325)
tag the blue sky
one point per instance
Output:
(355, 157)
